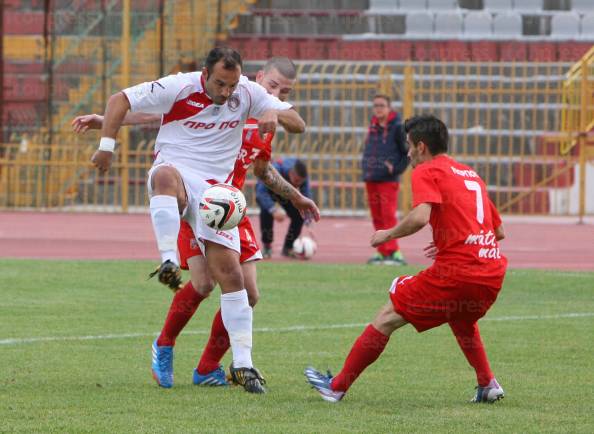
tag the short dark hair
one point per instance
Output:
(284, 65)
(430, 130)
(383, 96)
(300, 169)
(231, 59)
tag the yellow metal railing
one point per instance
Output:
(577, 116)
(504, 120)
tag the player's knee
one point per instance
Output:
(228, 275)
(165, 181)
(203, 286)
(387, 320)
(253, 297)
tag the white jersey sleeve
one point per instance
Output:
(158, 96)
(262, 101)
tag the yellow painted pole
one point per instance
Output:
(407, 112)
(582, 138)
(125, 82)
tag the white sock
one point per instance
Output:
(166, 222)
(237, 317)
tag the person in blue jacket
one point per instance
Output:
(384, 159)
(274, 208)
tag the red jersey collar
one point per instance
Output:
(391, 116)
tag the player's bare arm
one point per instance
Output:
(82, 124)
(117, 107)
(289, 119)
(279, 185)
(499, 233)
(416, 220)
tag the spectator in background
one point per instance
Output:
(384, 160)
(273, 207)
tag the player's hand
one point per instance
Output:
(81, 124)
(102, 160)
(307, 208)
(267, 123)
(390, 167)
(279, 214)
(380, 237)
(430, 251)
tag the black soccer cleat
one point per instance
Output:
(250, 378)
(169, 274)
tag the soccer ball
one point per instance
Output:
(222, 207)
(305, 247)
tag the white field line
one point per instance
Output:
(296, 329)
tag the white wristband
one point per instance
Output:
(107, 144)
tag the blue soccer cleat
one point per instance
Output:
(323, 384)
(162, 365)
(213, 378)
(491, 393)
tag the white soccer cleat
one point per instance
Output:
(491, 393)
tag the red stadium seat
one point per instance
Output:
(23, 23)
(397, 50)
(362, 50)
(542, 52)
(483, 51)
(572, 51)
(313, 49)
(284, 47)
(513, 51)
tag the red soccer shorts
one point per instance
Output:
(188, 246)
(426, 305)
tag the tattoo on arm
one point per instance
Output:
(279, 185)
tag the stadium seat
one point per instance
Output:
(433, 5)
(582, 5)
(383, 5)
(448, 24)
(312, 49)
(284, 47)
(507, 25)
(565, 25)
(397, 50)
(528, 5)
(587, 27)
(413, 4)
(513, 51)
(484, 51)
(572, 51)
(478, 23)
(542, 52)
(498, 5)
(419, 23)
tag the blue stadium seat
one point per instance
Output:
(498, 5)
(587, 27)
(448, 24)
(582, 5)
(433, 5)
(413, 4)
(528, 5)
(419, 24)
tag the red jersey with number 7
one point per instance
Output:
(463, 220)
(253, 147)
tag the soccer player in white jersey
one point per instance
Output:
(197, 145)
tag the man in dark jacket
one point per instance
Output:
(384, 159)
(274, 208)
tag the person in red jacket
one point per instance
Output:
(465, 278)
(384, 159)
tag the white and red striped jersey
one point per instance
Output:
(195, 133)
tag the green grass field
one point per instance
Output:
(68, 383)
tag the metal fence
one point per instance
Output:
(516, 124)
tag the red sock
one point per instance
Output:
(184, 304)
(366, 349)
(468, 337)
(217, 346)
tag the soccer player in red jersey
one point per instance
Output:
(466, 275)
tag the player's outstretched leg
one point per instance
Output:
(470, 342)
(366, 349)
